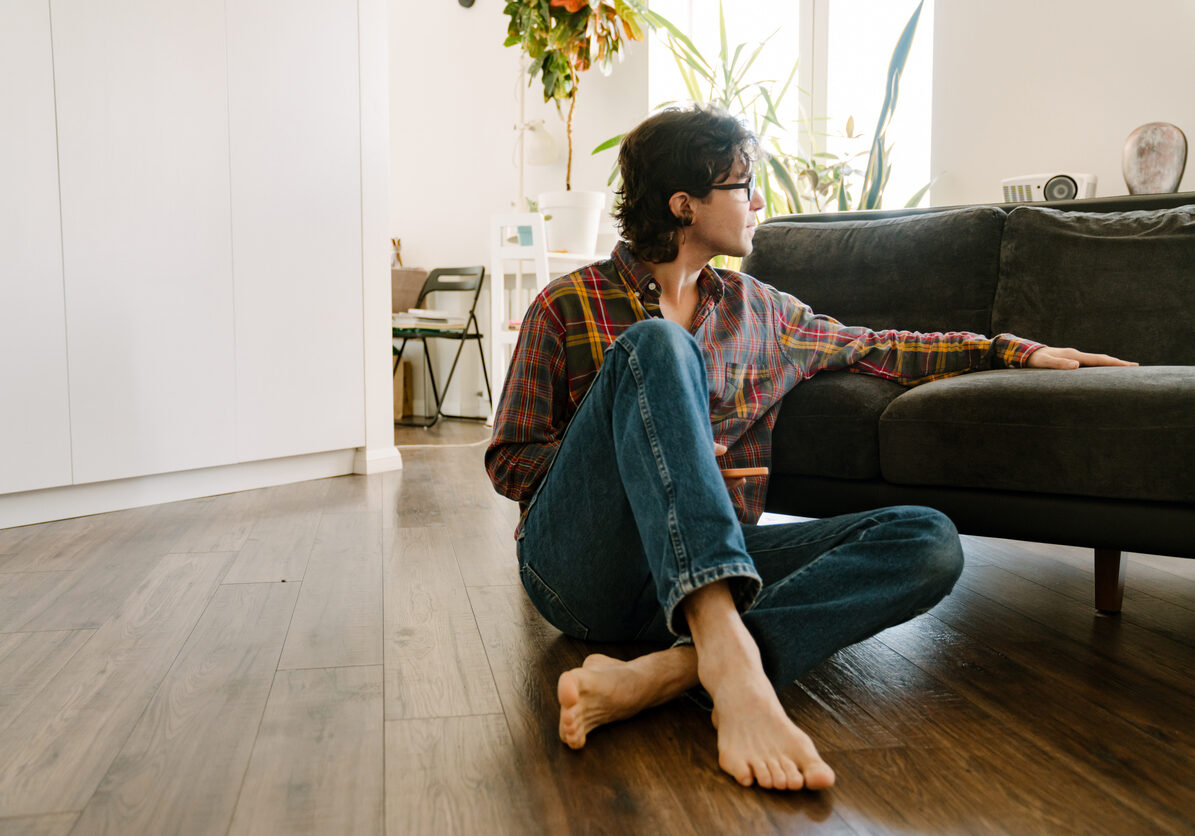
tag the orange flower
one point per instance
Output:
(570, 5)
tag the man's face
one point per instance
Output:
(724, 220)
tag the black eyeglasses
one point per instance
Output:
(749, 186)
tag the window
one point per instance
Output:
(845, 47)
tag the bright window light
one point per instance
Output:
(862, 35)
(851, 51)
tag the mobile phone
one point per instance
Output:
(739, 472)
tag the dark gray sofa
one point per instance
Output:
(1098, 457)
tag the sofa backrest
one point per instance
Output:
(1120, 283)
(933, 271)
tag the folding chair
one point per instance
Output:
(446, 280)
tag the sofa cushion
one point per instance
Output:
(829, 426)
(1116, 432)
(1107, 282)
(928, 272)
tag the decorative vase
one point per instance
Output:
(572, 220)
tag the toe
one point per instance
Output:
(793, 779)
(768, 775)
(737, 769)
(819, 776)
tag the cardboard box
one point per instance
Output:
(405, 284)
(404, 392)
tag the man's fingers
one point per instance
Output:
(719, 449)
(1101, 360)
(1069, 358)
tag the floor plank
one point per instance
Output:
(337, 713)
(50, 547)
(1124, 787)
(76, 584)
(1002, 771)
(338, 620)
(281, 537)
(1152, 599)
(215, 523)
(28, 661)
(453, 775)
(182, 766)
(59, 824)
(54, 754)
(1149, 652)
(436, 665)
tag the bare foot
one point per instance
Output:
(604, 690)
(758, 743)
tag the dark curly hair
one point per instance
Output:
(676, 150)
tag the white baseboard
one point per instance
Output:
(99, 497)
(379, 460)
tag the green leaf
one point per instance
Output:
(770, 114)
(612, 142)
(919, 195)
(873, 183)
(787, 83)
(784, 177)
(721, 34)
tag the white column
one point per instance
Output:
(379, 452)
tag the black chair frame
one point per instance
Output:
(446, 279)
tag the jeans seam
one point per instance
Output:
(679, 552)
(543, 479)
(816, 543)
(555, 597)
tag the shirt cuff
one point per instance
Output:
(1009, 352)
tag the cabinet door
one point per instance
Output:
(296, 195)
(143, 134)
(34, 415)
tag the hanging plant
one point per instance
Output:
(564, 38)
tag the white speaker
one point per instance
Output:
(1065, 185)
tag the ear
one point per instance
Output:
(681, 205)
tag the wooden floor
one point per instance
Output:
(355, 655)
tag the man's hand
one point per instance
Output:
(731, 484)
(1068, 358)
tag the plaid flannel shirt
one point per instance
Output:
(757, 342)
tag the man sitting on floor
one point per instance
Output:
(631, 379)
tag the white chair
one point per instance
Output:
(518, 241)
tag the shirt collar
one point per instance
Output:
(642, 283)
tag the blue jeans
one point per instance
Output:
(634, 515)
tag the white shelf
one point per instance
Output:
(509, 260)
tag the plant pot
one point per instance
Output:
(572, 220)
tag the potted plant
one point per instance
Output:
(563, 39)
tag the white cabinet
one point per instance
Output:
(181, 267)
(295, 132)
(34, 413)
(143, 142)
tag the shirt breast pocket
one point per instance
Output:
(741, 392)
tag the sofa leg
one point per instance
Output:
(1109, 580)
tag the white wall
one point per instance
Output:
(454, 92)
(1025, 86)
